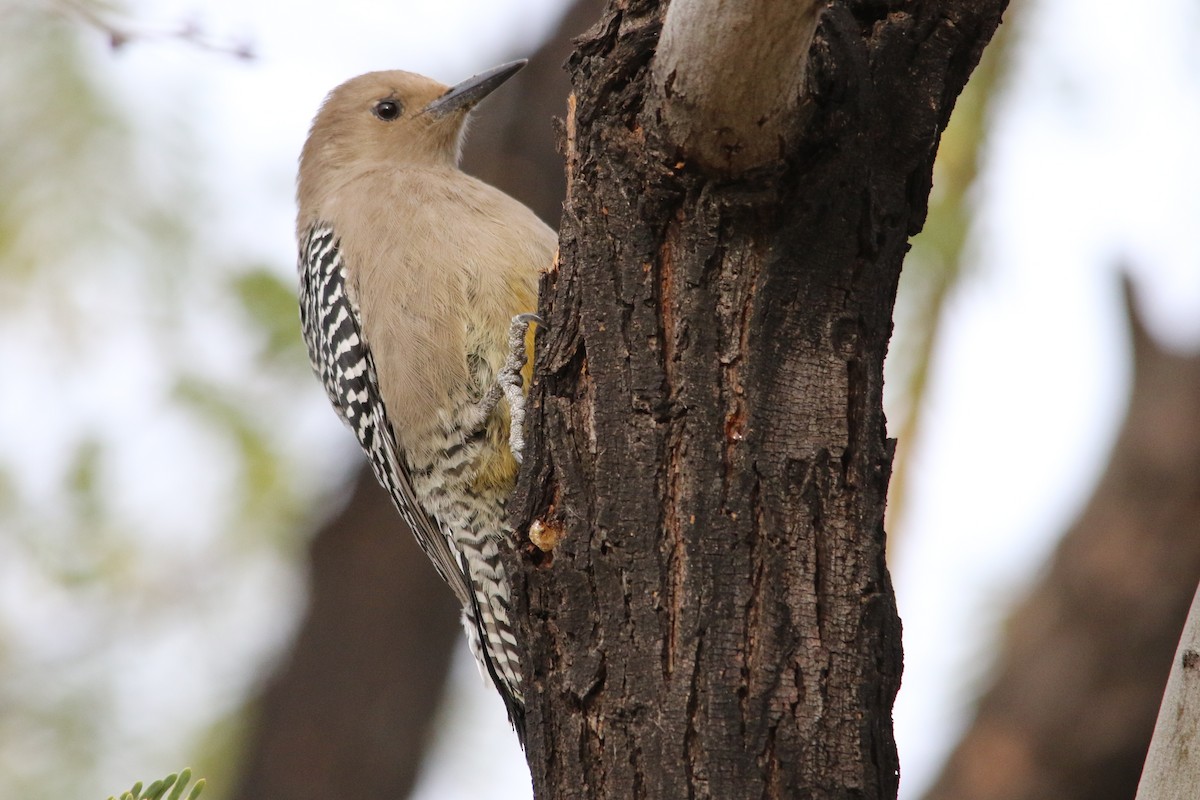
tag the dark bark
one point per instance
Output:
(1073, 703)
(707, 430)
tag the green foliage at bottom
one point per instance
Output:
(176, 784)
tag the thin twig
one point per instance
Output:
(119, 35)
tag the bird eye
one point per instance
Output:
(387, 110)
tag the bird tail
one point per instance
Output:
(494, 655)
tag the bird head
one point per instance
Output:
(396, 117)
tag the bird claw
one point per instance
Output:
(512, 383)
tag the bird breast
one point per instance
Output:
(450, 260)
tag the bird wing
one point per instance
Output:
(342, 360)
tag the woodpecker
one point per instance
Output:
(418, 285)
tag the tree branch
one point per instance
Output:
(1071, 707)
(731, 74)
(1173, 763)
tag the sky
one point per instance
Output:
(1089, 164)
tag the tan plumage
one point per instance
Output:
(435, 265)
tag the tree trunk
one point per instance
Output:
(707, 462)
(349, 712)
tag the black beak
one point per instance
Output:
(465, 95)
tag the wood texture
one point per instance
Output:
(706, 427)
(730, 75)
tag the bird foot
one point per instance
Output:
(512, 383)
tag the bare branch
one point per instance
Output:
(1173, 762)
(120, 35)
(731, 74)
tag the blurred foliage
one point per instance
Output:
(176, 784)
(150, 484)
(938, 261)
(270, 303)
(64, 148)
(264, 484)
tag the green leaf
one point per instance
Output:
(158, 788)
(184, 777)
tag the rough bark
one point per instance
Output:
(1071, 709)
(707, 435)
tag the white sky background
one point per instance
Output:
(1091, 161)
